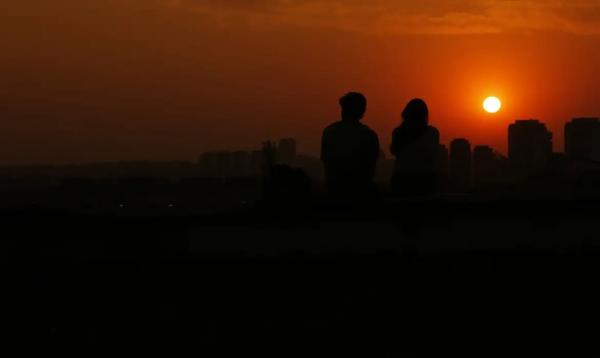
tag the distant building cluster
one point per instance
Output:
(232, 164)
(246, 163)
(582, 139)
(529, 147)
(252, 163)
(231, 179)
(530, 155)
(461, 166)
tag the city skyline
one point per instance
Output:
(230, 179)
(581, 132)
(582, 129)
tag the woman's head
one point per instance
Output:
(416, 113)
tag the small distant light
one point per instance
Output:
(122, 205)
(171, 205)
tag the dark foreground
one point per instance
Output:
(404, 279)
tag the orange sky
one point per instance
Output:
(166, 79)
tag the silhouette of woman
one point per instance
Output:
(415, 144)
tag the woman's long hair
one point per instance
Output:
(415, 121)
(416, 115)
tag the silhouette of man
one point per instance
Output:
(349, 151)
(415, 144)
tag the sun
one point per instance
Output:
(492, 104)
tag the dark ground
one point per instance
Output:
(403, 279)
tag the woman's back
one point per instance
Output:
(415, 150)
(415, 145)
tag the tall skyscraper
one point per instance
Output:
(224, 164)
(582, 139)
(442, 161)
(216, 164)
(286, 151)
(240, 163)
(208, 163)
(529, 147)
(257, 162)
(485, 165)
(460, 164)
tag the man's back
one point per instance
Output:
(349, 152)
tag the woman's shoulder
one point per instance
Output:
(432, 130)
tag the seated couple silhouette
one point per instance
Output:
(350, 150)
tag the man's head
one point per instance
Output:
(354, 106)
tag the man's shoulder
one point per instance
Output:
(349, 128)
(368, 130)
(333, 126)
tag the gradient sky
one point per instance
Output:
(87, 80)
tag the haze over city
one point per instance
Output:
(100, 80)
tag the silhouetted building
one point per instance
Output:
(485, 165)
(582, 139)
(443, 162)
(257, 162)
(225, 164)
(529, 147)
(222, 164)
(209, 163)
(240, 163)
(460, 164)
(286, 151)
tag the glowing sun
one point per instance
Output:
(492, 104)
